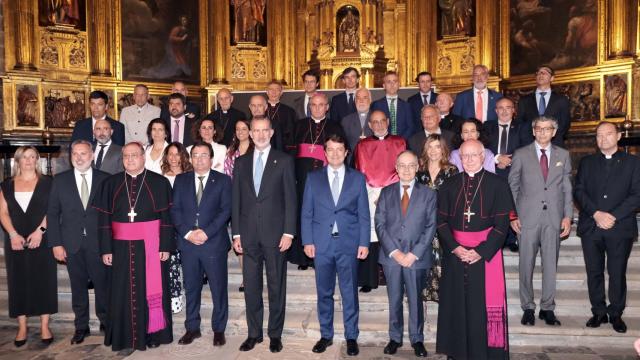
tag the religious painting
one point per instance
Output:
(27, 112)
(348, 30)
(62, 107)
(561, 34)
(65, 13)
(248, 21)
(615, 95)
(456, 18)
(160, 40)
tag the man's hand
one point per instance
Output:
(237, 246)
(398, 256)
(363, 251)
(164, 256)
(460, 252)
(516, 226)
(285, 243)
(310, 251)
(565, 224)
(504, 161)
(59, 253)
(473, 257)
(604, 220)
(107, 259)
(409, 259)
(197, 237)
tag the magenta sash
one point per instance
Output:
(313, 152)
(149, 231)
(494, 287)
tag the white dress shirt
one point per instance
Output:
(78, 176)
(181, 134)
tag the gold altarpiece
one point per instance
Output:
(67, 63)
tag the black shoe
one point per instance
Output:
(513, 247)
(596, 320)
(250, 343)
(322, 345)
(528, 318)
(241, 288)
(365, 289)
(219, 339)
(392, 347)
(48, 341)
(618, 324)
(19, 343)
(90, 285)
(79, 335)
(275, 346)
(418, 349)
(188, 337)
(352, 348)
(549, 317)
(152, 344)
(303, 267)
(102, 328)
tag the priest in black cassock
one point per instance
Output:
(473, 219)
(310, 136)
(226, 116)
(136, 237)
(282, 116)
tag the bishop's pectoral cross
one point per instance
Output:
(468, 214)
(132, 214)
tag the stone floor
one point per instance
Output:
(294, 348)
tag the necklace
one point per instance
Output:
(313, 142)
(132, 214)
(468, 212)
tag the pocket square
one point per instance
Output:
(559, 163)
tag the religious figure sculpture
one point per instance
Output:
(456, 17)
(349, 33)
(63, 12)
(615, 90)
(249, 19)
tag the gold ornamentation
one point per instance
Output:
(48, 51)
(248, 62)
(77, 54)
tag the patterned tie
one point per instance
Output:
(200, 190)
(479, 106)
(392, 115)
(404, 202)
(335, 193)
(542, 105)
(544, 164)
(257, 175)
(503, 140)
(100, 156)
(84, 191)
(425, 99)
(176, 131)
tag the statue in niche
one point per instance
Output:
(27, 114)
(65, 12)
(456, 17)
(615, 90)
(348, 30)
(249, 21)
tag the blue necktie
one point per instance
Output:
(335, 193)
(257, 175)
(542, 105)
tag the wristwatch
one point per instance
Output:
(43, 229)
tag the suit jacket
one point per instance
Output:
(262, 219)
(340, 108)
(192, 109)
(616, 192)
(212, 214)
(416, 106)
(319, 212)
(228, 129)
(67, 219)
(404, 117)
(557, 108)
(136, 122)
(493, 130)
(416, 142)
(451, 122)
(112, 160)
(353, 130)
(298, 106)
(84, 130)
(531, 193)
(465, 108)
(411, 233)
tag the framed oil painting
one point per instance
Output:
(248, 21)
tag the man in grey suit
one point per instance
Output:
(406, 223)
(137, 117)
(356, 125)
(107, 156)
(541, 186)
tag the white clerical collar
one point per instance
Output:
(609, 156)
(317, 121)
(134, 176)
(472, 174)
(224, 111)
(273, 104)
(381, 137)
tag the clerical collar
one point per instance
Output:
(472, 174)
(381, 137)
(273, 104)
(224, 111)
(134, 176)
(442, 116)
(317, 121)
(609, 156)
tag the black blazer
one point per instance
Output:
(416, 106)
(416, 142)
(451, 122)
(228, 129)
(66, 218)
(558, 108)
(340, 108)
(263, 219)
(493, 129)
(84, 130)
(192, 108)
(618, 194)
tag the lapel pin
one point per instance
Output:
(275, 161)
(559, 163)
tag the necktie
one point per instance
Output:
(392, 115)
(335, 193)
(100, 156)
(200, 190)
(425, 99)
(542, 105)
(351, 99)
(257, 175)
(176, 131)
(404, 202)
(503, 139)
(84, 191)
(479, 107)
(544, 164)
(308, 110)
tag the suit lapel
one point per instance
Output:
(208, 188)
(94, 187)
(269, 167)
(553, 160)
(76, 196)
(552, 99)
(536, 162)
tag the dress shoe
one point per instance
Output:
(152, 344)
(392, 347)
(250, 343)
(365, 289)
(188, 337)
(48, 341)
(418, 349)
(618, 324)
(596, 320)
(219, 339)
(549, 317)
(528, 318)
(352, 348)
(241, 288)
(322, 345)
(303, 267)
(275, 346)
(514, 247)
(79, 335)
(102, 328)
(19, 343)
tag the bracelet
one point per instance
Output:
(12, 235)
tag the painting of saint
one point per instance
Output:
(62, 12)
(456, 18)
(27, 105)
(248, 21)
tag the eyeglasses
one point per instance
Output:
(407, 166)
(200, 156)
(131, 156)
(539, 130)
(469, 156)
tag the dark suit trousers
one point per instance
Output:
(401, 280)
(83, 266)
(616, 251)
(255, 257)
(346, 267)
(195, 264)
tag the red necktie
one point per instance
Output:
(544, 164)
(405, 200)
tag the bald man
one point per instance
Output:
(225, 116)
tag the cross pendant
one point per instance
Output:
(132, 214)
(312, 148)
(468, 214)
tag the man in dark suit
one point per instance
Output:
(98, 104)
(430, 123)
(356, 125)
(397, 110)
(107, 156)
(448, 120)
(192, 110)
(424, 96)
(226, 116)
(544, 102)
(607, 192)
(406, 223)
(344, 103)
(479, 101)
(310, 84)
(264, 220)
(180, 122)
(336, 229)
(73, 235)
(200, 212)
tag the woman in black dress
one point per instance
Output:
(434, 170)
(31, 267)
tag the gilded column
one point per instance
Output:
(426, 40)
(24, 34)
(401, 28)
(219, 37)
(487, 34)
(621, 22)
(278, 43)
(101, 36)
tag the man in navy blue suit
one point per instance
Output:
(335, 231)
(478, 102)
(397, 110)
(344, 103)
(200, 212)
(425, 96)
(98, 104)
